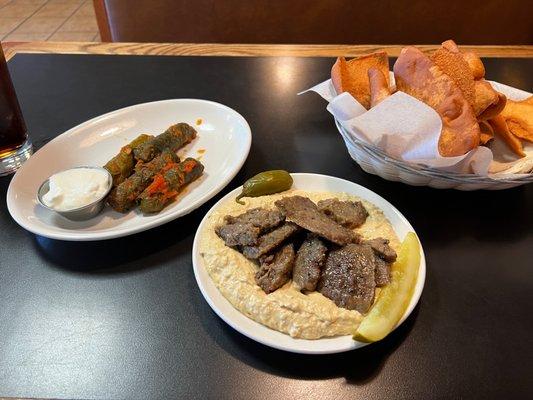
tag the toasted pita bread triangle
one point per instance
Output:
(418, 76)
(379, 86)
(500, 128)
(519, 118)
(352, 76)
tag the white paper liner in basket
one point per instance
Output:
(408, 130)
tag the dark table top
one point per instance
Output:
(124, 318)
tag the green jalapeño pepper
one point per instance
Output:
(268, 182)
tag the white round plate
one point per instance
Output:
(223, 134)
(278, 340)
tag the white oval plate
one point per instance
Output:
(278, 340)
(224, 135)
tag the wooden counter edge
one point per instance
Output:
(244, 50)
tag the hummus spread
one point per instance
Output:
(306, 316)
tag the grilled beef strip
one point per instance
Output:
(238, 234)
(245, 229)
(263, 218)
(304, 213)
(276, 269)
(382, 271)
(271, 240)
(350, 214)
(382, 249)
(348, 277)
(310, 259)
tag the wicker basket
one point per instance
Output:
(376, 162)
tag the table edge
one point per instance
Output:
(243, 50)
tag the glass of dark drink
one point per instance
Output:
(15, 146)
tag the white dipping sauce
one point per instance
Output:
(75, 188)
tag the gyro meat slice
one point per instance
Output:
(382, 271)
(238, 234)
(271, 240)
(306, 214)
(384, 255)
(276, 270)
(382, 249)
(350, 214)
(245, 229)
(262, 218)
(348, 278)
(310, 259)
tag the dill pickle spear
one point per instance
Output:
(265, 183)
(394, 298)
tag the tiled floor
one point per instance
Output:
(52, 20)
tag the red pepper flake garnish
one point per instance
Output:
(188, 166)
(158, 185)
